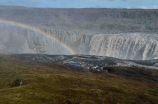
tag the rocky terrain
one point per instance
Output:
(88, 62)
(121, 33)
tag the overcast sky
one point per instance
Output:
(145, 4)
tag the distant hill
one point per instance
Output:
(11, 7)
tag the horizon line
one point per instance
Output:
(76, 7)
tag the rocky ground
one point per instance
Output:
(91, 62)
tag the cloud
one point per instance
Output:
(148, 7)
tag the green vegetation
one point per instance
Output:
(57, 84)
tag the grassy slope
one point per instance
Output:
(56, 83)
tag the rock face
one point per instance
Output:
(14, 40)
(121, 33)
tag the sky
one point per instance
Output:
(144, 4)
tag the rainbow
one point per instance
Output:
(39, 31)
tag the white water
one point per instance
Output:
(137, 46)
(125, 46)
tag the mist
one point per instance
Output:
(121, 33)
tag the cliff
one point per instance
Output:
(121, 33)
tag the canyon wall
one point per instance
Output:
(121, 33)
